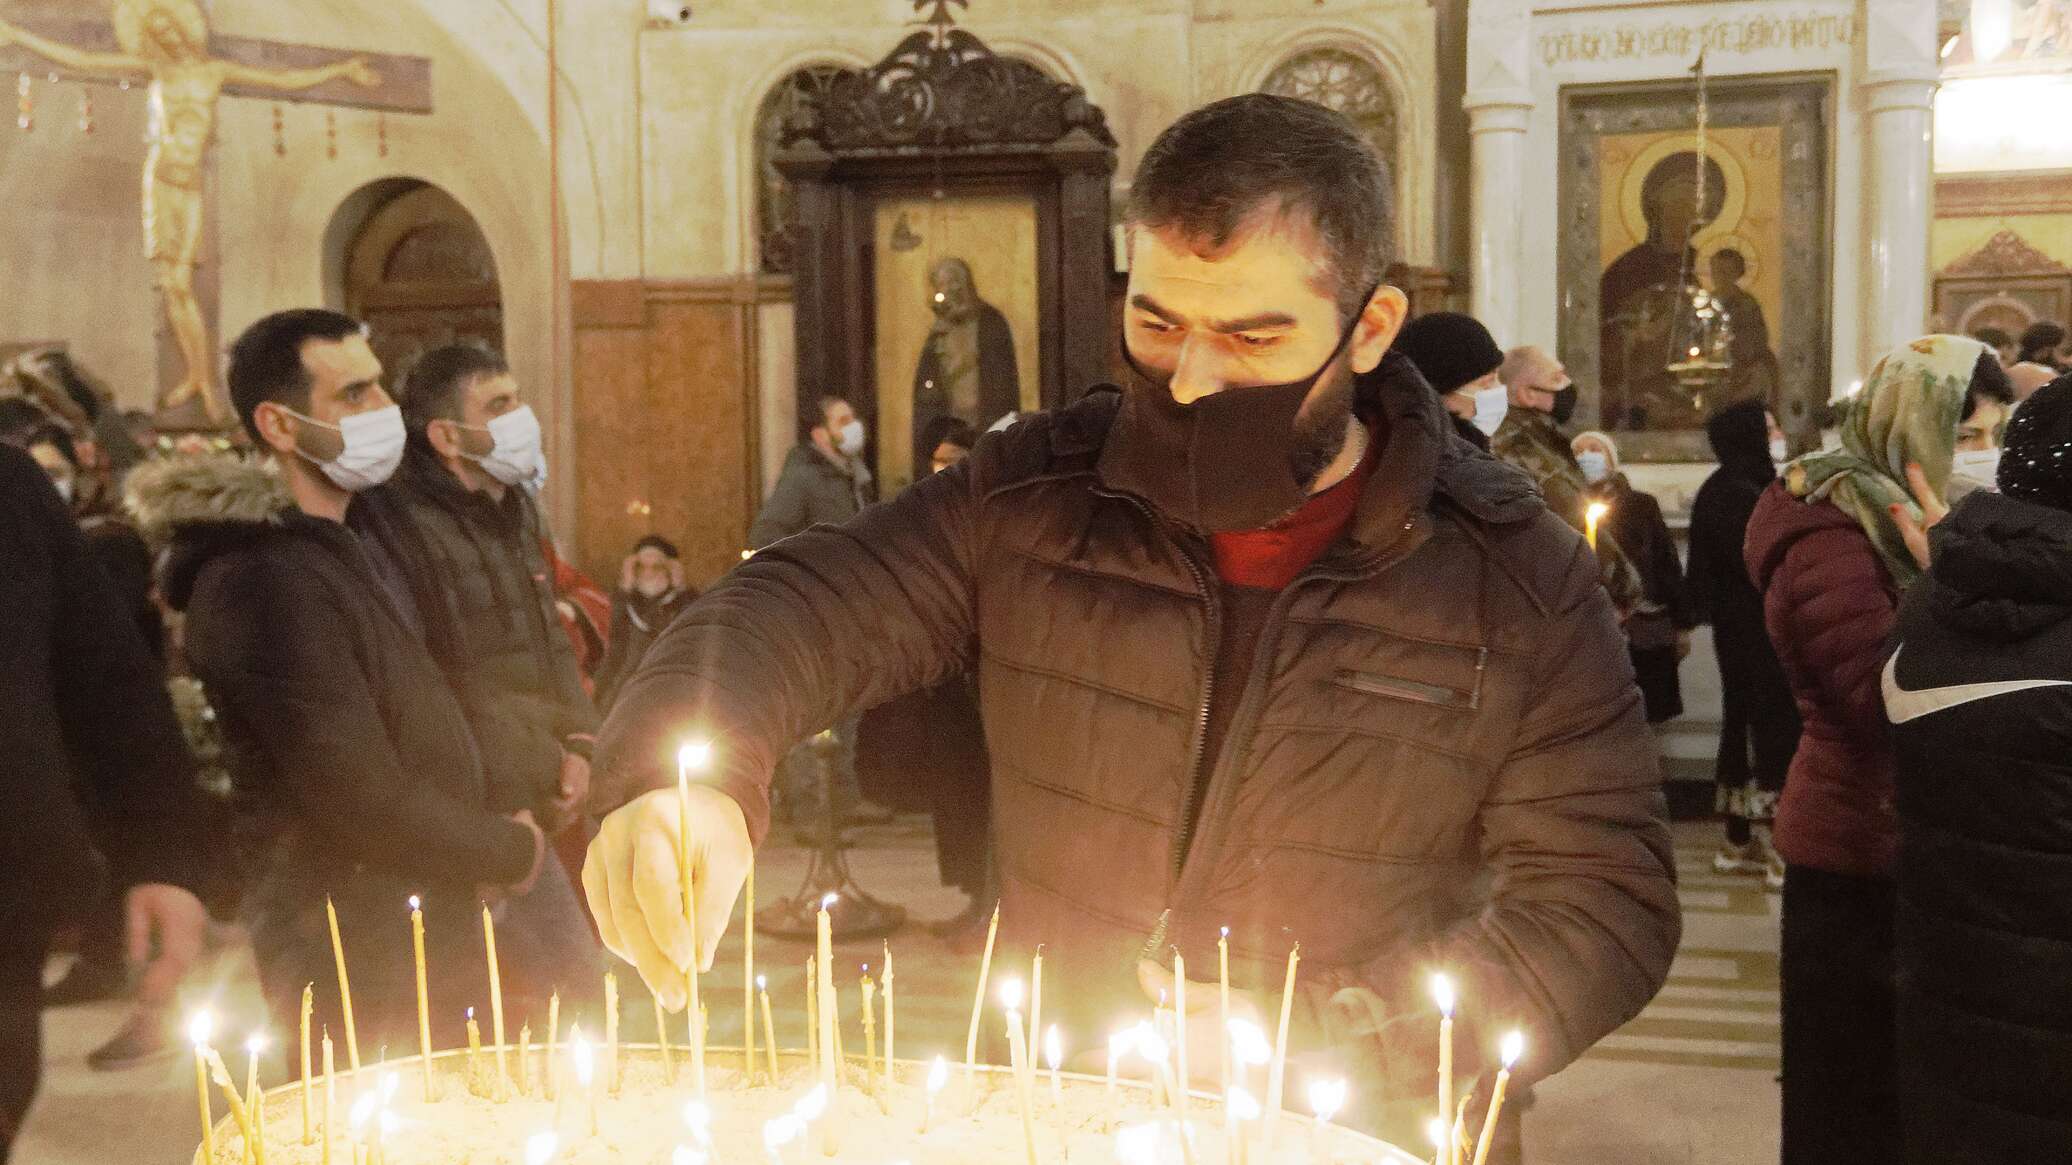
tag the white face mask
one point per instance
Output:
(65, 487)
(515, 457)
(1979, 468)
(1780, 450)
(373, 448)
(850, 440)
(1595, 465)
(1491, 404)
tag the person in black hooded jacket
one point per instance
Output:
(1979, 693)
(1759, 722)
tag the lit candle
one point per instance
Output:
(585, 1060)
(1223, 1002)
(611, 1033)
(238, 1110)
(308, 1124)
(824, 936)
(554, 1046)
(1054, 1054)
(1244, 1109)
(1153, 1047)
(540, 1147)
(1513, 1047)
(1018, 1061)
(938, 1075)
(474, 1050)
(330, 1095)
(890, 1078)
(662, 1041)
(1591, 517)
(345, 989)
(1116, 1042)
(1035, 1003)
(1245, 1048)
(198, 1034)
(762, 987)
(870, 1029)
(1180, 1036)
(695, 756)
(1277, 1078)
(256, 1103)
(525, 1059)
(1326, 1100)
(978, 1002)
(1436, 1129)
(496, 999)
(813, 1015)
(1443, 995)
(424, 1006)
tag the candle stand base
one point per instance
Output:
(854, 914)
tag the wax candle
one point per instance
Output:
(1443, 996)
(238, 1110)
(424, 1005)
(1035, 1002)
(748, 976)
(824, 937)
(585, 1061)
(1223, 1004)
(1591, 517)
(496, 999)
(345, 989)
(813, 1016)
(611, 1033)
(474, 1050)
(525, 1059)
(1244, 1109)
(938, 1075)
(1326, 1100)
(1054, 1054)
(762, 987)
(308, 1124)
(1018, 1062)
(1117, 1041)
(978, 1002)
(870, 1029)
(254, 1100)
(662, 1042)
(1513, 1047)
(1436, 1129)
(1276, 1080)
(554, 1046)
(1246, 1049)
(198, 1034)
(1180, 1036)
(695, 756)
(330, 1095)
(891, 1077)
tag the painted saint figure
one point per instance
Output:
(167, 43)
(967, 368)
(1640, 294)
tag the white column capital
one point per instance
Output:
(1899, 89)
(1498, 110)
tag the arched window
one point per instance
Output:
(1344, 81)
(776, 211)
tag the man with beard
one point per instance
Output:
(1255, 651)
(967, 367)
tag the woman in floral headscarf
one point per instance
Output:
(1831, 557)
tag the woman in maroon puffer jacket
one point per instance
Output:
(1832, 563)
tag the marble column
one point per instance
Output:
(1899, 182)
(1497, 122)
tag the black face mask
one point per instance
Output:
(1240, 459)
(1564, 405)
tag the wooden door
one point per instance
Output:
(421, 274)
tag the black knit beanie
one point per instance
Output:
(2036, 464)
(1451, 349)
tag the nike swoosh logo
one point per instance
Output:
(1902, 705)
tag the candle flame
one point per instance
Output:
(255, 1043)
(697, 1115)
(1513, 1047)
(762, 982)
(1435, 1128)
(471, 1013)
(579, 1050)
(199, 1027)
(829, 900)
(1597, 511)
(414, 903)
(938, 1075)
(540, 1147)
(781, 1131)
(1149, 1044)
(813, 1104)
(1226, 932)
(362, 1111)
(1327, 1097)
(1442, 992)
(694, 757)
(389, 1085)
(1053, 1047)
(1248, 1043)
(1243, 1104)
(1011, 994)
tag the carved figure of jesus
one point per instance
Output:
(167, 43)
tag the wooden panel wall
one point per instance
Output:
(666, 420)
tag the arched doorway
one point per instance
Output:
(420, 273)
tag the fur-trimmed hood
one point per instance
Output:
(199, 506)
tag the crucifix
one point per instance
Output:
(166, 44)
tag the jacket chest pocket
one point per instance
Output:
(1460, 693)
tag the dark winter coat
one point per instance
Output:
(1444, 694)
(1829, 605)
(1985, 804)
(1636, 526)
(811, 491)
(346, 744)
(484, 590)
(636, 622)
(1718, 588)
(87, 723)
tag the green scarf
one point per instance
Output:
(1907, 412)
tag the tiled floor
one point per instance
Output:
(1692, 1080)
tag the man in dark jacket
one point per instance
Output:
(1979, 693)
(352, 757)
(824, 480)
(84, 716)
(1254, 650)
(1460, 360)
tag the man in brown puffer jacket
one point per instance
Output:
(1254, 650)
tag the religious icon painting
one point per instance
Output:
(956, 296)
(1695, 271)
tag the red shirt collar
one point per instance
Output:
(1272, 557)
